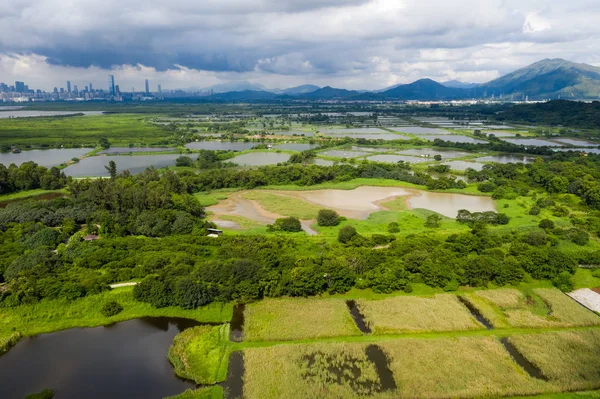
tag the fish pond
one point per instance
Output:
(95, 166)
(47, 158)
(260, 159)
(124, 360)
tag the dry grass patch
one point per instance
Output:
(299, 318)
(569, 359)
(457, 368)
(324, 371)
(543, 307)
(441, 312)
(283, 205)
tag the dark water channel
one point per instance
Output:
(522, 361)
(237, 323)
(382, 366)
(476, 313)
(358, 318)
(234, 385)
(124, 360)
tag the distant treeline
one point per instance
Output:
(572, 114)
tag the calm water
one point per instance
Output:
(221, 145)
(508, 159)
(294, 133)
(421, 130)
(397, 158)
(385, 136)
(463, 165)
(47, 158)
(31, 114)
(125, 360)
(260, 159)
(430, 152)
(94, 166)
(343, 154)
(296, 146)
(588, 150)
(127, 150)
(454, 139)
(350, 131)
(534, 142)
(578, 143)
(321, 162)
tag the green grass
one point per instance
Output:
(214, 392)
(569, 359)
(54, 315)
(28, 194)
(535, 308)
(290, 319)
(441, 312)
(213, 197)
(284, 205)
(566, 395)
(120, 130)
(584, 278)
(200, 354)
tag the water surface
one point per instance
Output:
(296, 146)
(95, 166)
(454, 139)
(260, 159)
(508, 159)
(534, 142)
(397, 158)
(417, 130)
(125, 360)
(578, 143)
(343, 154)
(221, 145)
(32, 114)
(47, 158)
(463, 165)
(127, 150)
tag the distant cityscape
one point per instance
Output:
(20, 92)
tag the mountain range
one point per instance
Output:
(546, 79)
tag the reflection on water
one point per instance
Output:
(508, 159)
(125, 360)
(47, 158)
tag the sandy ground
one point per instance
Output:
(123, 285)
(587, 298)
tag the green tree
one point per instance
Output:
(104, 143)
(112, 169)
(433, 221)
(290, 225)
(328, 217)
(393, 228)
(111, 308)
(546, 224)
(346, 234)
(184, 161)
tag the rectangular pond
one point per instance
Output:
(397, 158)
(453, 139)
(417, 130)
(384, 137)
(296, 147)
(355, 130)
(343, 154)
(431, 152)
(534, 142)
(578, 142)
(508, 159)
(127, 150)
(464, 165)
(221, 145)
(95, 166)
(260, 159)
(47, 158)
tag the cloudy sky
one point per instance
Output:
(357, 44)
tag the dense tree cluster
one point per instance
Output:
(30, 176)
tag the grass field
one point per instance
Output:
(200, 354)
(413, 314)
(214, 392)
(284, 205)
(290, 319)
(29, 194)
(120, 130)
(54, 315)
(569, 359)
(541, 307)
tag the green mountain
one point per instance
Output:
(424, 89)
(547, 79)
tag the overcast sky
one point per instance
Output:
(356, 44)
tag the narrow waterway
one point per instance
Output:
(522, 361)
(358, 318)
(476, 313)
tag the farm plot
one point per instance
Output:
(290, 319)
(441, 312)
(543, 307)
(569, 359)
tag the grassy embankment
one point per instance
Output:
(54, 315)
(21, 195)
(120, 130)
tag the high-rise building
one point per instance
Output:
(20, 87)
(159, 89)
(91, 87)
(75, 89)
(147, 87)
(68, 86)
(117, 89)
(111, 84)
(55, 90)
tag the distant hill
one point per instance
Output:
(547, 79)
(236, 86)
(329, 92)
(457, 84)
(304, 89)
(245, 95)
(425, 89)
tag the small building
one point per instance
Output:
(214, 233)
(91, 237)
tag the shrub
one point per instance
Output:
(534, 211)
(346, 234)
(328, 217)
(486, 187)
(579, 237)
(184, 161)
(433, 221)
(291, 225)
(45, 394)
(111, 308)
(564, 282)
(393, 228)
(537, 238)
(546, 224)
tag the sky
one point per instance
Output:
(353, 44)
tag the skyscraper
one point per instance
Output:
(91, 87)
(147, 87)
(159, 89)
(68, 86)
(111, 84)
(20, 87)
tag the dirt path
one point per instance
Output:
(123, 285)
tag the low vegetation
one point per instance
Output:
(569, 359)
(290, 319)
(214, 392)
(412, 314)
(284, 205)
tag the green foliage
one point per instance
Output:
(564, 282)
(104, 143)
(290, 225)
(464, 216)
(546, 224)
(393, 228)
(30, 176)
(184, 161)
(433, 221)
(346, 234)
(112, 169)
(111, 308)
(44, 394)
(534, 211)
(328, 217)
